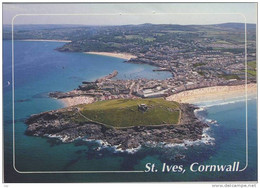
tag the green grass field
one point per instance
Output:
(125, 113)
(229, 76)
(251, 72)
(251, 68)
(252, 64)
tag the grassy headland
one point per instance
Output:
(125, 112)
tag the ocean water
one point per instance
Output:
(40, 69)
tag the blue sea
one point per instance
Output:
(40, 69)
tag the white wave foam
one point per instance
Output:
(225, 102)
(205, 139)
(131, 150)
(203, 118)
(64, 138)
(116, 148)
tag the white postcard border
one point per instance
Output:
(120, 14)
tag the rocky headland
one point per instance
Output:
(65, 124)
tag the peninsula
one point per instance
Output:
(122, 123)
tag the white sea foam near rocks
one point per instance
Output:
(116, 148)
(203, 118)
(62, 138)
(206, 139)
(54, 136)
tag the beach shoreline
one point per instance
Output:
(113, 54)
(43, 40)
(72, 101)
(215, 93)
(207, 94)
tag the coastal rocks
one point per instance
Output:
(111, 75)
(66, 125)
(60, 95)
(70, 94)
(88, 86)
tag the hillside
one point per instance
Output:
(126, 113)
(69, 124)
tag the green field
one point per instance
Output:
(252, 64)
(125, 113)
(136, 37)
(229, 76)
(251, 68)
(251, 72)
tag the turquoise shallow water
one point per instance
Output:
(40, 69)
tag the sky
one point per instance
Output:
(130, 13)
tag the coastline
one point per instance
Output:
(72, 101)
(207, 94)
(113, 54)
(216, 93)
(44, 40)
(69, 124)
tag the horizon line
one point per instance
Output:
(134, 24)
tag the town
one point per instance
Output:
(197, 56)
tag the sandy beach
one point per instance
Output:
(213, 93)
(71, 101)
(113, 54)
(43, 40)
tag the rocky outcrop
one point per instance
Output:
(111, 75)
(71, 94)
(64, 124)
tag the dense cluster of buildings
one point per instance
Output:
(196, 58)
(190, 70)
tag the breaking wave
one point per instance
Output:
(225, 102)
(116, 148)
